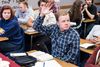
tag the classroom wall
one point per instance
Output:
(33, 3)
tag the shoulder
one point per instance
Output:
(73, 32)
(14, 20)
(93, 6)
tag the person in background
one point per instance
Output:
(75, 14)
(11, 30)
(54, 6)
(95, 32)
(49, 18)
(24, 13)
(90, 12)
(65, 40)
(94, 59)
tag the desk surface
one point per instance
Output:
(88, 20)
(31, 33)
(89, 51)
(62, 63)
(3, 38)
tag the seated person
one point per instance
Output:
(94, 60)
(65, 40)
(90, 12)
(24, 13)
(11, 30)
(94, 33)
(49, 18)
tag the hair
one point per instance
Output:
(60, 13)
(5, 7)
(24, 2)
(75, 12)
(92, 1)
(39, 2)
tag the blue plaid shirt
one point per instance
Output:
(65, 45)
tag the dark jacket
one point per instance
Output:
(12, 31)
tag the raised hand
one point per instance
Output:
(45, 9)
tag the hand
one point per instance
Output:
(2, 31)
(45, 10)
(92, 40)
(85, 6)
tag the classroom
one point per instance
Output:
(49, 33)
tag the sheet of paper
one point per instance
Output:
(51, 63)
(87, 45)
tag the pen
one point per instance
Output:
(44, 64)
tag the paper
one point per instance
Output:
(30, 30)
(17, 54)
(51, 63)
(41, 56)
(87, 45)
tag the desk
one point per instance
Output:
(32, 34)
(89, 51)
(3, 38)
(62, 63)
(85, 22)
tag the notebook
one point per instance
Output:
(87, 45)
(41, 56)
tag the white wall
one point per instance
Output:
(33, 3)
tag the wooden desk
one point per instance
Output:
(3, 38)
(89, 51)
(88, 20)
(62, 63)
(31, 34)
(65, 64)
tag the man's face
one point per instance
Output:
(6, 14)
(88, 2)
(42, 4)
(64, 22)
(22, 7)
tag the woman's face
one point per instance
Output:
(6, 14)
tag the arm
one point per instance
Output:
(91, 15)
(39, 21)
(49, 19)
(40, 28)
(10, 29)
(24, 20)
(91, 60)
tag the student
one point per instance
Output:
(95, 32)
(90, 12)
(94, 60)
(75, 14)
(11, 30)
(24, 13)
(64, 39)
(50, 17)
